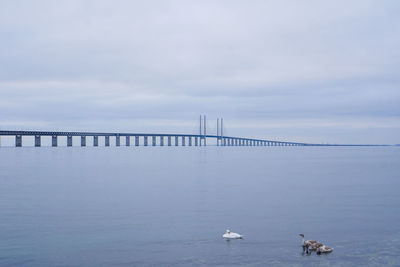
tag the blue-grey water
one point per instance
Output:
(169, 206)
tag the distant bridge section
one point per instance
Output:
(145, 139)
(156, 139)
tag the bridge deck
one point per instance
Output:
(63, 133)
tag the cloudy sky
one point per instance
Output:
(312, 71)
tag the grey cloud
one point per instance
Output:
(99, 63)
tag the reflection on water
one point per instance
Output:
(171, 205)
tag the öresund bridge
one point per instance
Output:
(163, 139)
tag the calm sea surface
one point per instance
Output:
(169, 206)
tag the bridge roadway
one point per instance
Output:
(199, 140)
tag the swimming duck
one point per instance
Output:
(230, 235)
(315, 245)
(306, 243)
(324, 249)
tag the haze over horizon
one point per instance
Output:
(319, 72)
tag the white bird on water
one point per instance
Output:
(324, 249)
(230, 235)
(306, 243)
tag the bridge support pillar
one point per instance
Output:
(136, 140)
(153, 140)
(107, 140)
(127, 140)
(236, 142)
(169, 140)
(224, 141)
(37, 140)
(95, 140)
(83, 140)
(54, 140)
(117, 140)
(196, 141)
(183, 141)
(145, 140)
(190, 140)
(176, 141)
(18, 140)
(161, 140)
(69, 140)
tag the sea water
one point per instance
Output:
(170, 206)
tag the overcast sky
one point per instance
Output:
(312, 71)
